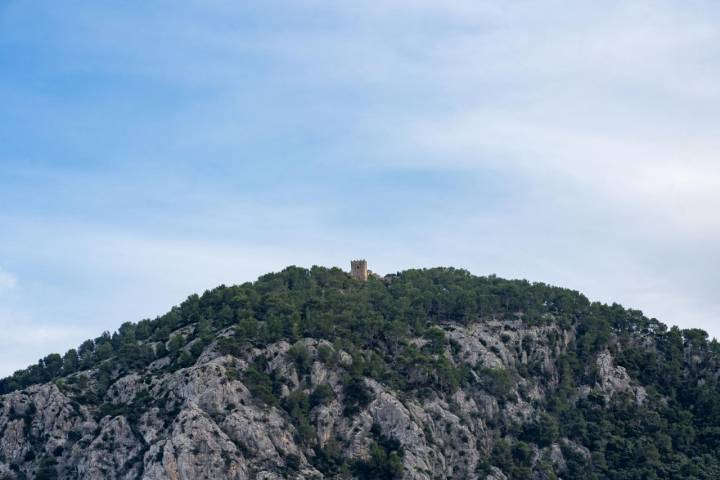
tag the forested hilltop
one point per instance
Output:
(425, 374)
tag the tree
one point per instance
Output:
(47, 469)
(175, 344)
(85, 353)
(52, 364)
(436, 340)
(103, 351)
(70, 362)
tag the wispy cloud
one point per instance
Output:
(7, 280)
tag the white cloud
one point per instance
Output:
(30, 331)
(8, 281)
(661, 178)
(612, 107)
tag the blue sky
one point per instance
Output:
(149, 150)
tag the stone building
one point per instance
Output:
(359, 270)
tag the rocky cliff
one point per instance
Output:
(421, 375)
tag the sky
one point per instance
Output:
(150, 150)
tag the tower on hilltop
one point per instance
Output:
(359, 270)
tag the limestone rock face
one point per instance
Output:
(614, 379)
(495, 474)
(209, 421)
(112, 453)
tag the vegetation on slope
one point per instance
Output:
(674, 433)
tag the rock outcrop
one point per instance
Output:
(203, 422)
(211, 391)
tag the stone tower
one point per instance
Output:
(359, 270)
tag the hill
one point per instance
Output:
(425, 374)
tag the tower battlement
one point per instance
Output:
(359, 270)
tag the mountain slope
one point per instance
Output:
(424, 374)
